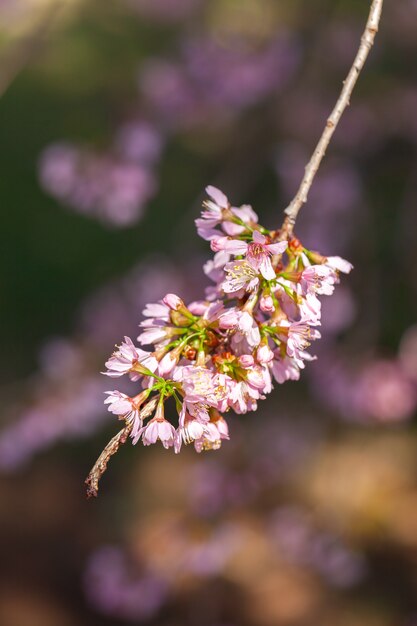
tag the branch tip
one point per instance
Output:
(343, 101)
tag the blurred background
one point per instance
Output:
(114, 116)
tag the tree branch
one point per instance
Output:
(112, 447)
(367, 41)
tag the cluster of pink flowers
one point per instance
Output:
(254, 326)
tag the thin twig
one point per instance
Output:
(112, 447)
(367, 41)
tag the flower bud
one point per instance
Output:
(173, 302)
(266, 304)
(264, 353)
(218, 243)
(229, 319)
(246, 360)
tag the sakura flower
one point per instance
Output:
(168, 362)
(119, 403)
(213, 433)
(239, 275)
(259, 378)
(173, 302)
(197, 383)
(153, 335)
(221, 426)
(126, 408)
(296, 305)
(245, 214)
(264, 353)
(218, 212)
(285, 368)
(246, 361)
(202, 386)
(259, 253)
(244, 323)
(190, 428)
(213, 268)
(227, 244)
(309, 307)
(212, 215)
(337, 263)
(189, 433)
(158, 310)
(243, 396)
(300, 335)
(266, 304)
(320, 279)
(157, 428)
(158, 328)
(130, 359)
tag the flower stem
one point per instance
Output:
(312, 167)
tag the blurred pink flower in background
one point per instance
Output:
(113, 191)
(213, 82)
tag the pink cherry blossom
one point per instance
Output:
(157, 310)
(129, 359)
(167, 363)
(240, 275)
(244, 323)
(264, 353)
(218, 212)
(227, 244)
(190, 428)
(125, 407)
(309, 307)
(285, 368)
(173, 301)
(201, 385)
(320, 279)
(300, 336)
(212, 436)
(212, 215)
(259, 254)
(266, 304)
(154, 334)
(337, 263)
(243, 397)
(246, 360)
(157, 327)
(158, 429)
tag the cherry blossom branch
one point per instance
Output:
(111, 448)
(312, 167)
(254, 325)
(100, 465)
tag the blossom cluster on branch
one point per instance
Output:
(254, 326)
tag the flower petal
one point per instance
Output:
(266, 268)
(277, 248)
(258, 237)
